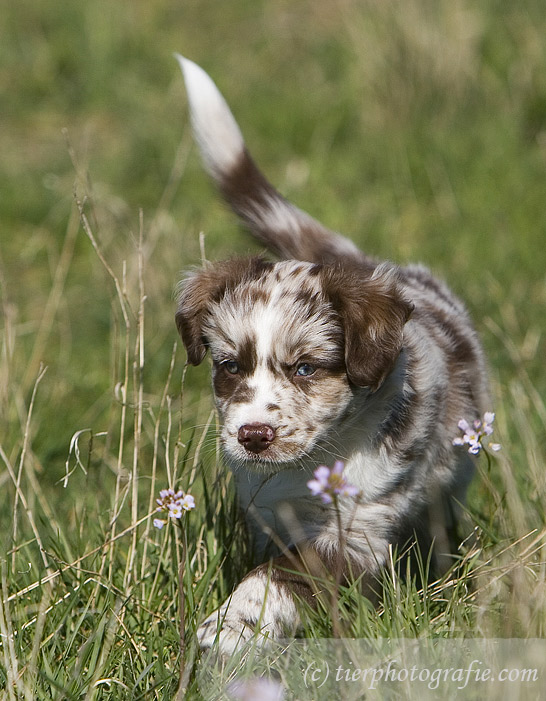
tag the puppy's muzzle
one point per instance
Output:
(256, 437)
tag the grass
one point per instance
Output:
(417, 128)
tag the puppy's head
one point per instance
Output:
(290, 343)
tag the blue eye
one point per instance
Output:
(231, 366)
(304, 370)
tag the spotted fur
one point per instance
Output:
(324, 355)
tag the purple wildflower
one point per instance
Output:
(474, 433)
(172, 504)
(331, 482)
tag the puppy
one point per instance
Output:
(327, 355)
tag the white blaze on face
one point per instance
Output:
(269, 327)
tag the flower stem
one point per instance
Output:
(181, 692)
(336, 626)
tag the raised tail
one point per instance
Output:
(281, 226)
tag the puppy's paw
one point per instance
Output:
(258, 609)
(227, 629)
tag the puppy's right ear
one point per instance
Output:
(200, 291)
(194, 298)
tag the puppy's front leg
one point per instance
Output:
(263, 604)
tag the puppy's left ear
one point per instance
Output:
(373, 312)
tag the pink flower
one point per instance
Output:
(474, 433)
(488, 419)
(258, 688)
(330, 483)
(173, 504)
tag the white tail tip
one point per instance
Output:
(215, 129)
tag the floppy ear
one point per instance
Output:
(373, 312)
(200, 290)
(194, 297)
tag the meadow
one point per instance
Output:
(418, 129)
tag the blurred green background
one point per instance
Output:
(417, 128)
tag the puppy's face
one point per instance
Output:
(289, 342)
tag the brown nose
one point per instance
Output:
(256, 437)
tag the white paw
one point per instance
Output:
(225, 629)
(258, 609)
